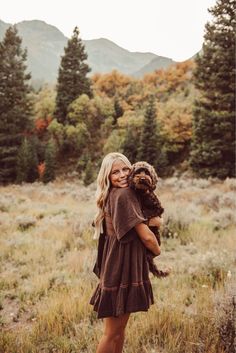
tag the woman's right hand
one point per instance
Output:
(148, 238)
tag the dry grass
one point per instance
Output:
(47, 254)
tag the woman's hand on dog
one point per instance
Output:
(155, 222)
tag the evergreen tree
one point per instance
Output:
(72, 80)
(213, 145)
(27, 162)
(118, 110)
(151, 146)
(22, 161)
(89, 173)
(82, 162)
(130, 145)
(33, 162)
(50, 162)
(15, 106)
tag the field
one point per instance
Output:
(47, 253)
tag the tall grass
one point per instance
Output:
(47, 254)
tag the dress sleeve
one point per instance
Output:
(125, 211)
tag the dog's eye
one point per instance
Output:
(142, 170)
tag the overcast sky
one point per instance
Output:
(171, 28)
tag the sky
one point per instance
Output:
(170, 28)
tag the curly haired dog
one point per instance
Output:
(143, 180)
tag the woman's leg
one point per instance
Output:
(113, 338)
(120, 342)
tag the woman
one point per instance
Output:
(121, 263)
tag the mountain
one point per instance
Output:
(156, 63)
(105, 56)
(44, 43)
(45, 46)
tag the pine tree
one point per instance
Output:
(50, 162)
(22, 161)
(130, 145)
(213, 145)
(151, 146)
(118, 110)
(89, 173)
(33, 162)
(27, 162)
(15, 106)
(72, 80)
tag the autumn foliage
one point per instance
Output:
(171, 80)
(111, 83)
(113, 118)
(174, 94)
(41, 125)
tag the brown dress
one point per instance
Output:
(121, 262)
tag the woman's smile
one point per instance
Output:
(119, 174)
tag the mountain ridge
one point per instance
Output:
(45, 45)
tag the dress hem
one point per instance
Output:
(104, 315)
(113, 303)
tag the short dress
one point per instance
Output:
(121, 263)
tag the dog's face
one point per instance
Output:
(142, 176)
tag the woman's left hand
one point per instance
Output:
(155, 222)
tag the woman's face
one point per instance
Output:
(119, 174)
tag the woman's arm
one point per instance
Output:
(148, 238)
(155, 222)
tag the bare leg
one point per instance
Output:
(112, 340)
(120, 343)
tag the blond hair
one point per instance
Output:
(103, 187)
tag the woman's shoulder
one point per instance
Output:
(123, 194)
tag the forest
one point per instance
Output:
(179, 119)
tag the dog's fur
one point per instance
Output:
(143, 179)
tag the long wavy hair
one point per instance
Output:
(103, 187)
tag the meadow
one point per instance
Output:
(47, 252)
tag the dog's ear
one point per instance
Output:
(154, 176)
(152, 172)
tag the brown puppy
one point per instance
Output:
(143, 180)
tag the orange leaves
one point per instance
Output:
(171, 79)
(176, 120)
(41, 125)
(174, 94)
(133, 93)
(110, 83)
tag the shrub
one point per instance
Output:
(25, 222)
(225, 318)
(223, 219)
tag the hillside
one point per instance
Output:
(105, 56)
(45, 44)
(156, 63)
